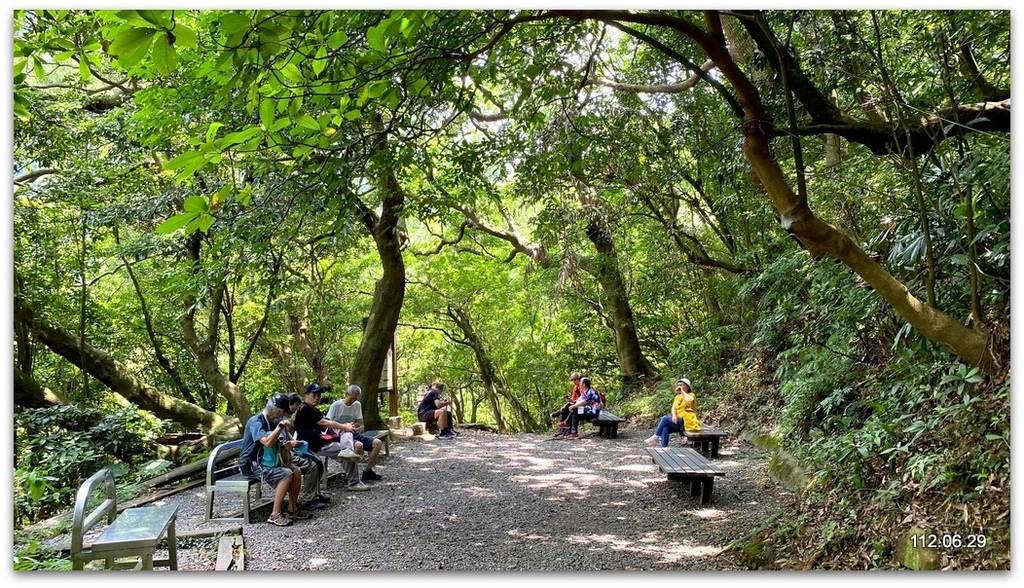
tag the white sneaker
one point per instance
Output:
(653, 440)
(357, 487)
(349, 455)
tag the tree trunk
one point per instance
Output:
(633, 364)
(494, 385)
(388, 296)
(117, 377)
(28, 393)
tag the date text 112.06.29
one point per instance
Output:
(948, 540)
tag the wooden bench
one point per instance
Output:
(607, 424)
(135, 532)
(707, 438)
(687, 465)
(229, 480)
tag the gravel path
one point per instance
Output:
(486, 502)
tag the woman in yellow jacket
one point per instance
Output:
(684, 415)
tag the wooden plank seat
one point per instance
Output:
(229, 480)
(135, 532)
(607, 424)
(686, 465)
(707, 439)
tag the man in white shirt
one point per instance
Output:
(349, 410)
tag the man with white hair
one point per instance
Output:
(261, 445)
(350, 410)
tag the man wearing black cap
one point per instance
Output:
(263, 449)
(310, 422)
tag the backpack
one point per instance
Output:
(599, 404)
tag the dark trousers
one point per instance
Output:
(576, 417)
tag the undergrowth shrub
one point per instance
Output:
(57, 448)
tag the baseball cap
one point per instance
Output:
(282, 401)
(314, 388)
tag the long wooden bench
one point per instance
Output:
(607, 424)
(687, 465)
(135, 532)
(707, 439)
(229, 480)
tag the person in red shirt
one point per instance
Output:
(563, 413)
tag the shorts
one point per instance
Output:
(366, 441)
(429, 417)
(274, 476)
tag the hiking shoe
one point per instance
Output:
(652, 440)
(312, 505)
(348, 454)
(572, 436)
(300, 514)
(562, 425)
(446, 435)
(370, 475)
(323, 498)
(357, 487)
(280, 520)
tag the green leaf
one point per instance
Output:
(132, 46)
(211, 131)
(175, 222)
(337, 39)
(239, 137)
(291, 71)
(319, 60)
(377, 88)
(183, 160)
(197, 204)
(375, 38)
(307, 122)
(83, 69)
(165, 57)
(267, 108)
(184, 36)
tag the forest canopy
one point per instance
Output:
(807, 213)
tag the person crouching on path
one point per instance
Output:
(684, 415)
(349, 410)
(310, 423)
(261, 444)
(433, 409)
(584, 409)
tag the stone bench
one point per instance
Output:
(135, 532)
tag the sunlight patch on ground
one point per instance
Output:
(478, 491)
(710, 514)
(650, 544)
(635, 467)
(531, 536)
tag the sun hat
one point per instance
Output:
(685, 381)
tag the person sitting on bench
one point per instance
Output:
(586, 408)
(349, 410)
(684, 415)
(261, 443)
(562, 414)
(310, 424)
(433, 409)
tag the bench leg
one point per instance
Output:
(209, 506)
(147, 560)
(695, 488)
(705, 496)
(172, 547)
(714, 448)
(614, 431)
